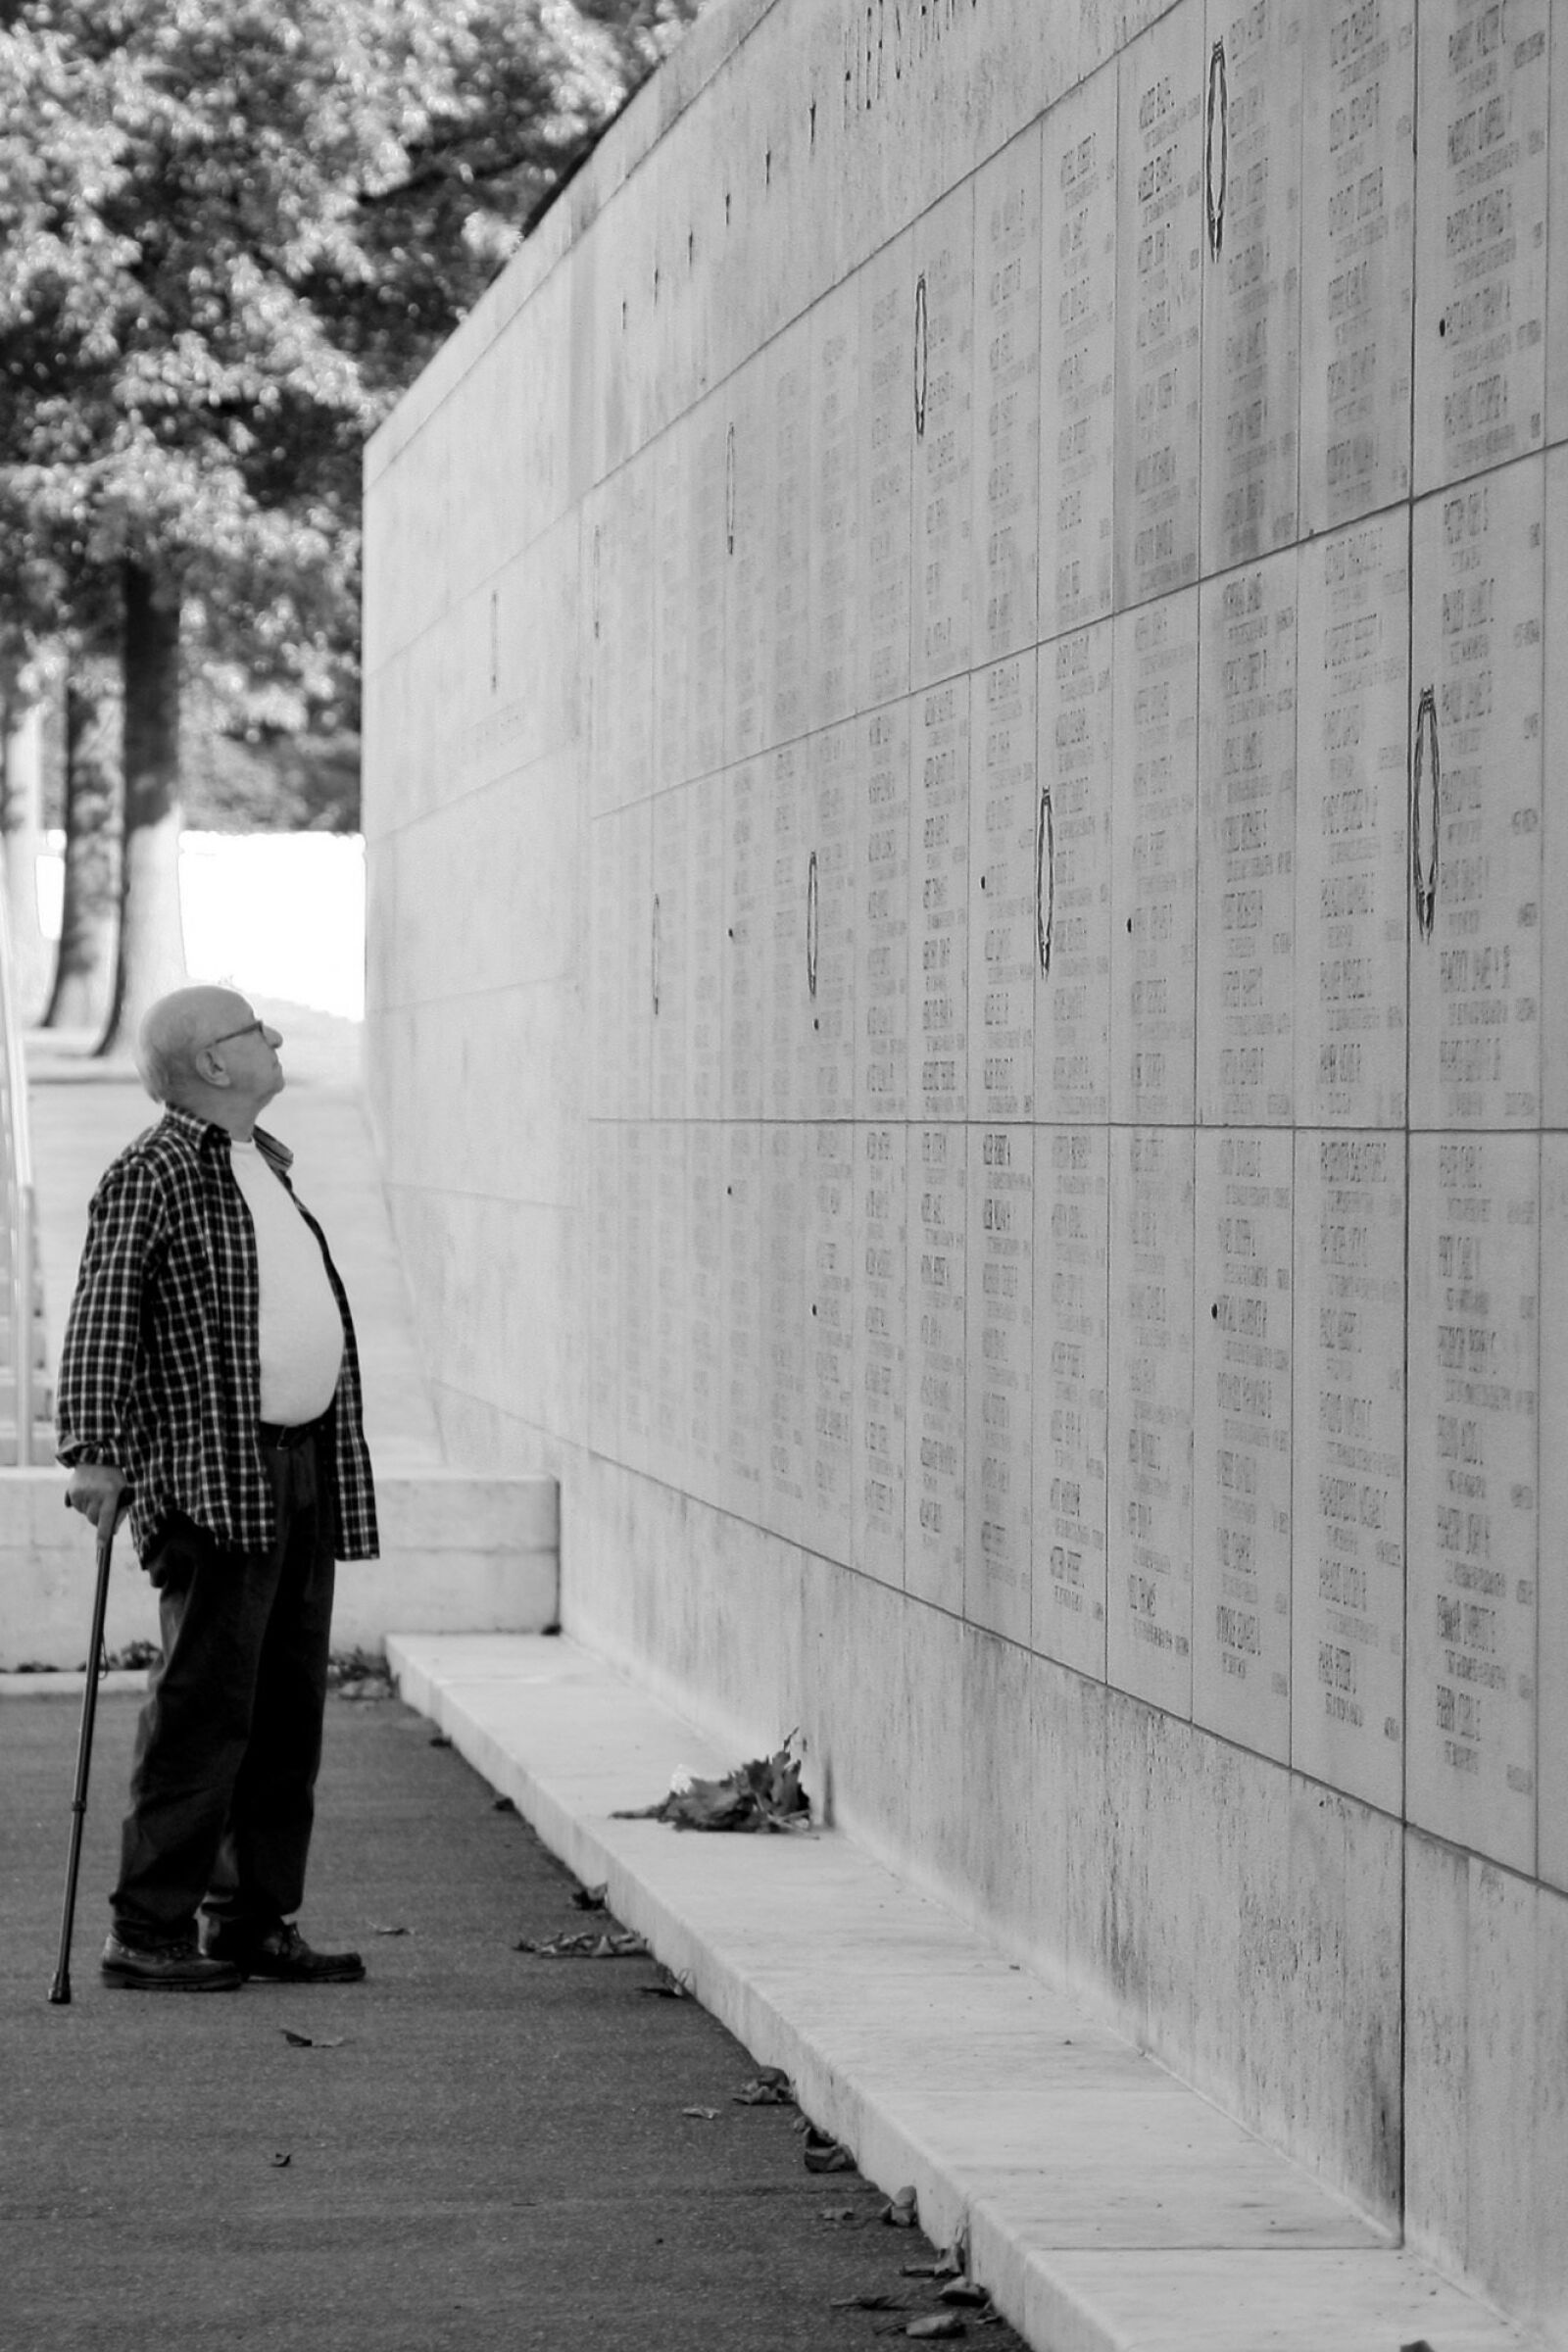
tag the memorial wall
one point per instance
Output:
(968, 995)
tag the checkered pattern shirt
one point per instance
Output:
(160, 1374)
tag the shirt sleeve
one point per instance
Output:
(100, 1354)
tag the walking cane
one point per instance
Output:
(60, 1989)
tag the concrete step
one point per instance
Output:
(460, 1552)
(1107, 2206)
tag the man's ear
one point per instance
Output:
(208, 1067)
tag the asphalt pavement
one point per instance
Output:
(479, 2147)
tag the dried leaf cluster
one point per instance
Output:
(762, 1795)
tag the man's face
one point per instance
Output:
(249, 1051)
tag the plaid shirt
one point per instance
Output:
(161, 1370)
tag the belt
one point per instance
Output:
(278, 1440)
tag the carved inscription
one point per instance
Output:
(1474, 1336)
(1242, 1440)
(1475, 804)
(1154, 833)
(1247, 859)
(1077, 371)
(886, 469)
(1007, 472)
(881, 1380)
(1000, 1337)
(1350, 827)
(1357, 258)
(939, 1043)
(1159, 310)
(933, 1492)
(942, 627)
(882, 915)
(1003, 939)
(1480, 236)
(1071, 896)
(835, 614)
(1072, 1372)
(1149, 1438)
(1347, 1601)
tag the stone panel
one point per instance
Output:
(675, 459)
(1078, 355)
(636, 1264)
(707, 519)
(1071, 1381)
(997, 1484)
(1475, 1242)
(604, 1290)
(749, 460)
(789, 422)
(745, 1391)
(705, 946)
(1252, 281)
(1241, 1439)
(1347, 1596)
(836, 527)
(786, 990)
(1551, 1711)
(670, 953)
(882, 913)
(886, 470)
(1071, 896)
(935, 1435)
(784, 1355)
(669, 1304)
(1004, 866)
(942, 628)
(828, 1329)
(704, 1311)
(1154, 836)
(880, 1358)
(1476, 798)
(939, 902)
(1006, 411)
(1357, 259)
(1246, 846)
(1160, 291)
(1149, 1610)
(829, 921)
(748, 916)
(1481, 237)
(1351, 894)
(1554, 808)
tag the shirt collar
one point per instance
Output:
(206, 1137)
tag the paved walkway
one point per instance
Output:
(487, 2151)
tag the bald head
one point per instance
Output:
(204, 1051)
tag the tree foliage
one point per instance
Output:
(231, 234)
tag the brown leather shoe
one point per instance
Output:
(281, 1957)
(170, 1964)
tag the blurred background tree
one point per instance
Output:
(231, 235)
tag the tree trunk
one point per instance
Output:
(19, 821)
(84, 967)
(151, 958)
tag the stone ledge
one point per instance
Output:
(1108, 2206)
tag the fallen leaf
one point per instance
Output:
(439, 1739)
(937, 2324)
(829, 2156)
(758, 2093)
(669, 1988)
(590, 1898)
(964, 2291)
(503, 1804)
(875, 2299)
(841, 2216)
(312, 2041)
(922, 2270)
(377, 1929)
(904, 2212)
(702, 2115)
(279, 2159)
(764, 1794)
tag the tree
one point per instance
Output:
(232, 235)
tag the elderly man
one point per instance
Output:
(208, 1383)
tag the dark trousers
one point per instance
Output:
(223, 1787)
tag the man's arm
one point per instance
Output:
(99, 1357)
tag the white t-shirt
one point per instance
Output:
(302, 1330)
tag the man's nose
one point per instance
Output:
(273, 1037)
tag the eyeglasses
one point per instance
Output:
(229, 1035)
